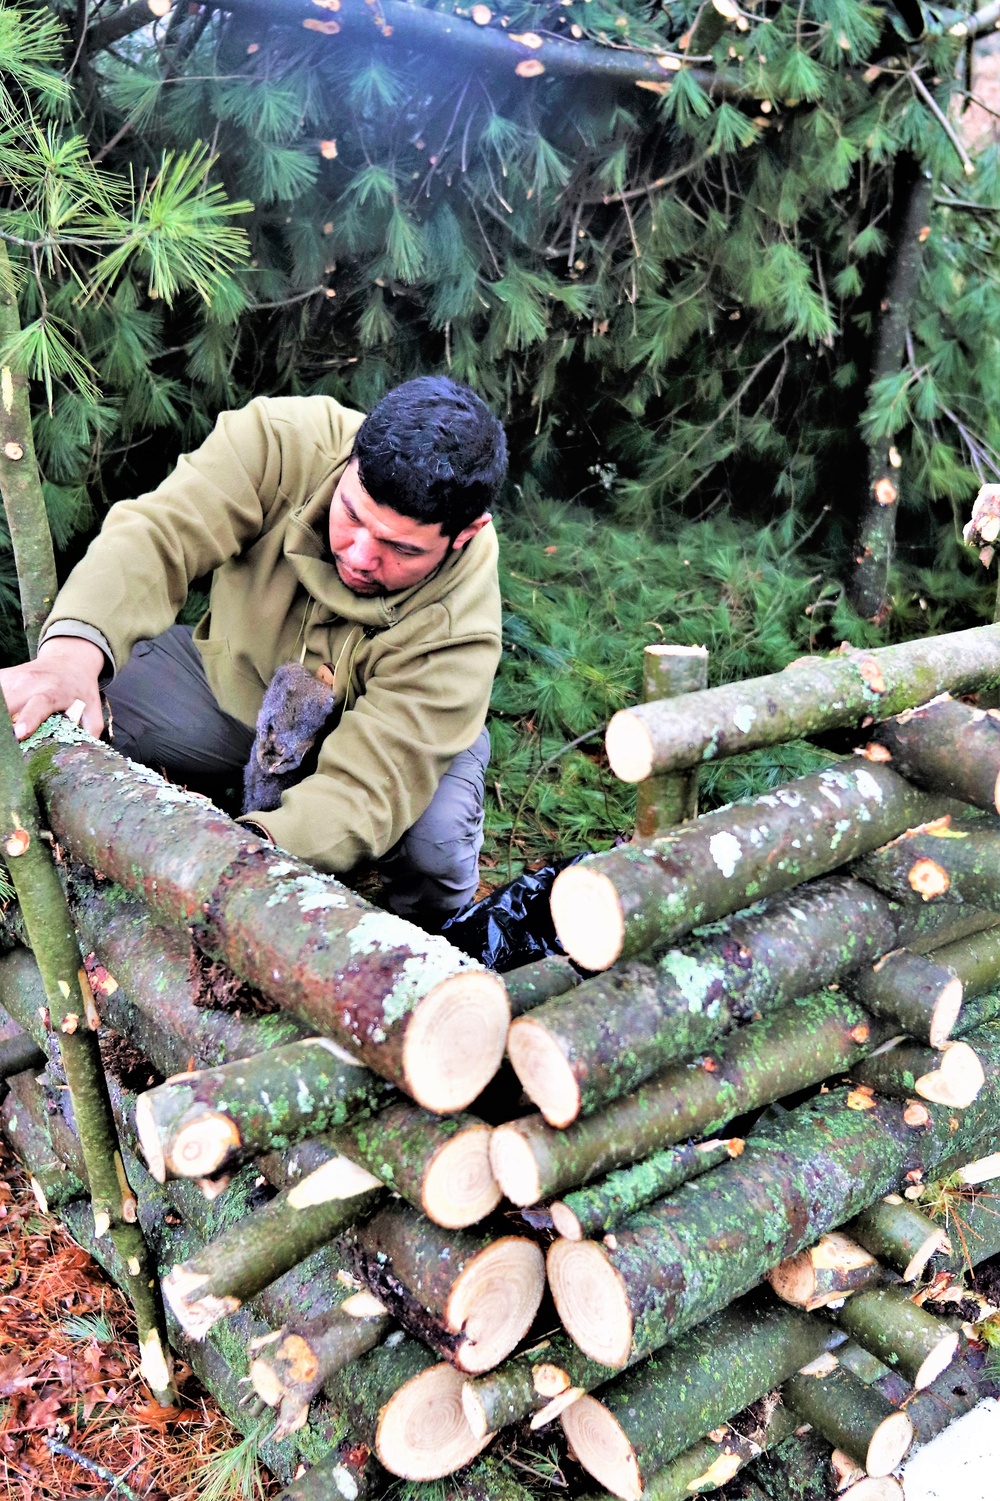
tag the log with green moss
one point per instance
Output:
(947, 861)
(929, 993)
(576, 1053)
(951, 1075)
(946, 746)
(811, 695)
(536, 1383)
(72, 1019)
(971, 1227)
(603, 1205)
(802, 1468)
(343, 1477)
(618, 904)
(898, 1233)
(471, 1297)
(824, 1273)
(350, 1473)
(663, 801)
(197, 1123)
(721, 1455)
(19, 1052)
(294, 1363)
(539, 981)
(621, 1436)
(53, 1182)
(967, 1381)
(407, 1003)
(799, 1045)
(677, 1262)
(904, 1337)
(851, 1416)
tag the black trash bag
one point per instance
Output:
(513, 925)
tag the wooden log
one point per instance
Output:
(851, 1416)
(966, 1381)
(916, 990)
(647, 1417)
(577, 1053)
(951, 1076)
(19, 1052)
(539, 981)
(408, 1004)
(904, 1337)
(618, 904)
(245, 1258)
(53, 1183)
(470, 1297)
(946, 746)
(675, 1263)
(663, 801)
(898, 1233)
(338, 1479)
(972, 1224)
(350, 1473)
(22, 995)
(593, 1210)
(811, 695)
(289, 1367)
(535, 1383)
(799, 1045)
(721, 1455)
(802, 1468)
(824, 1273)
(944, 861)
(198, 1122)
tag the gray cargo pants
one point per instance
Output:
(166, 716)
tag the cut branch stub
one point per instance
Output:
(827, 1272)
(949, 747)
(617, 904)
(576, 1053)
(410, 1005)
(811, 695)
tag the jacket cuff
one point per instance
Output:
(249, 822)
(84, 632)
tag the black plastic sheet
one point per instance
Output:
(513, 925)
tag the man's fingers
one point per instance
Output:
(28, 718)
(93, 719)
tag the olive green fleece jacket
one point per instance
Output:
(414, 669)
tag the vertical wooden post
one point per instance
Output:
(663, 801)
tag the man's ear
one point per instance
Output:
(468, 532)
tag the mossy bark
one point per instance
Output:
(796, 1046)
(679, 1261)
(622, 1027)
(815, 694)
(947, 746)
(663, 801)
(539, 981)
(895, 1330)
(53, 1182)
(897, 1233)
(972, 1225)
(591, 1211)
(727, 859)
(288, 1372)
(713, 1461)
(19, 1052)
(668, 1402)
(74, 1021)
(945, 862)
(351, 972)
(843, 1409)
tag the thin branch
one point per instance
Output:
(942, 119)
(109, 1476)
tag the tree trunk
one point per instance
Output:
(800, 1045)
(947, 746)
(73, 1020)
(876, 543)
(621, 1436)
(594, 1210)
(904, 1337)
(852, 1417)
(470, 1297)
(576, 1054)
(534, 983)
(617, 904)
(898, 1233)
(663, 801)
(20, 485)
(535, 1383)
(951, 1076)
(811, 695)
(801, 1468)
(197, 1123)
(411, 1006)
(679, 1261)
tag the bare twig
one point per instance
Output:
(942, 119)
(115, 1481)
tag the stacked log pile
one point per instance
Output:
(790, 1031)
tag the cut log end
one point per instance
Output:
(591, 1300)
(195, 1314)
(455, 1040)
(588, 916)
(945, 1013)
(265, 1381)
(514, 1167)
(957, 1081)
(826, 1273)
(602, 1448)
(494, 1301)
(935, 1242)
(200, 1148)
(149, 1139)
(459, 1188)
(422, 1430)
(629, 746)
(544, 1071)
(566, 1222)
(888, 1444)
(937, 1360)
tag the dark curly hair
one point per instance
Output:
(434, 451)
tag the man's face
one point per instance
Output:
(379, 551)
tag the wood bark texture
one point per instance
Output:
(663, 801)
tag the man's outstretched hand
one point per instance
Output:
(62, 676)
